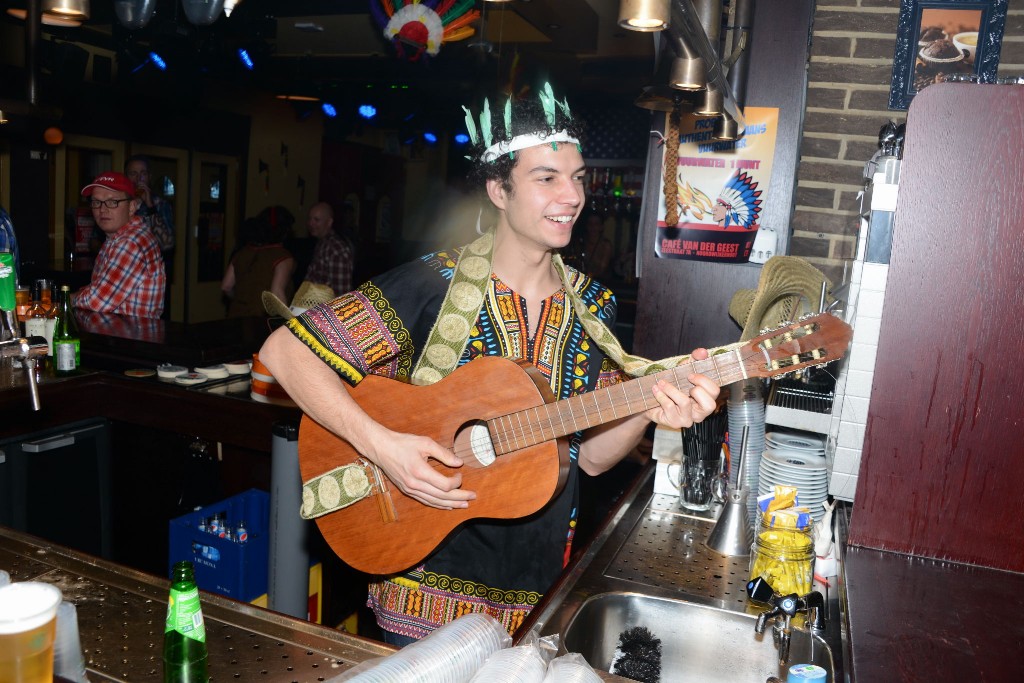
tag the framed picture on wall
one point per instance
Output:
(945, 40)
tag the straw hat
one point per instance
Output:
(788, 288)
(309, 295)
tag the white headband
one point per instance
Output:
(525, 141)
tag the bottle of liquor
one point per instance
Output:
(185, 634)
(67, 347)
(35, 319)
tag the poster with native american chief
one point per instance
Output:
(714, 211)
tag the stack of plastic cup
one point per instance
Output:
(522, 664)
(68, 661)
(746, 409)
(451, 654)
(570, 668)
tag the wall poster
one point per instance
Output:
(720, 188)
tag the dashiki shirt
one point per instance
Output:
(503, 567)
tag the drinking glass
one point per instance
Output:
(28, 617)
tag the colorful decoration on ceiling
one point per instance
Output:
(418, 26)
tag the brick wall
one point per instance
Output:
(852, 45)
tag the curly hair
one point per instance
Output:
(527, 117)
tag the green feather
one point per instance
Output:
(508, 118)
(564, 106)
(547, 101)
(485, 123)
(471, 126)
(457, 10)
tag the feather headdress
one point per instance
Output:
(507, 142)
(424, 25)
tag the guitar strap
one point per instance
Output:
(447, 340)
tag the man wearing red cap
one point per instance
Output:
(129, 275)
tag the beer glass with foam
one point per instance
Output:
(28, 617)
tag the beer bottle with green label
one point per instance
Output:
(185, 634)
(67, 347)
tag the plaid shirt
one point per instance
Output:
(128, 276)
(160, 220)
(332, 264)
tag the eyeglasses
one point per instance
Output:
(109, 203)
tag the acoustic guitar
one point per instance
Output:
(500, 417)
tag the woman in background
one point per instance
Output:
(261, 264)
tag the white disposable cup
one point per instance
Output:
(68, 660)
(28, 612)
(5, 578)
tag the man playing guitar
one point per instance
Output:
(420, 320)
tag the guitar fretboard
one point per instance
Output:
(532, 426)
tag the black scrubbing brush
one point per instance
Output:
(638, 655)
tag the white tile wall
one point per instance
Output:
(853, 390)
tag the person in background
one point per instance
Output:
(595, 250)
(261, 264)
(533, 175)
(9, 240)
(128, 276)
(333, 255)
(156, 212)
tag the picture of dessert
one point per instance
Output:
(947, 44)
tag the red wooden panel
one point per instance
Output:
(941, 473)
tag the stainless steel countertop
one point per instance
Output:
(121, 615)
(654, 547)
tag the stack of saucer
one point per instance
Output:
(796, 460)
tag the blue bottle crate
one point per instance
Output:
(235, 570)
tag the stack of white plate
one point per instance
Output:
(746, 409)
(803, 468)
(808, 444)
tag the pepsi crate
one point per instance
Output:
(231, 568)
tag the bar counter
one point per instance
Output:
(121, 616)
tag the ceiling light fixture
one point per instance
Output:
(712, 103)
(644, 15)
(48, 19)
(69, 9)
(299, 98)
(229, 6)
(134, 14)
(202, 12)
(687, 73)
(726, 128)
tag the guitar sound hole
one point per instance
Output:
(473, 444)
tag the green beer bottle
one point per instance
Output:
(67, 347)
(185, 633)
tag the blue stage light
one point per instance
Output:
(328, 109)
(154, 59)
(430, 137)
(367, 111)
(246, 60)
(461, 138)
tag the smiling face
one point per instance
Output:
(546, 196)
(112, 220)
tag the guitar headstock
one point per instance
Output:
(813, 340)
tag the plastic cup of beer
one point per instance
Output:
(28, 618)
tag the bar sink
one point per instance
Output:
(698, 643)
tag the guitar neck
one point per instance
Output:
(542, 423)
